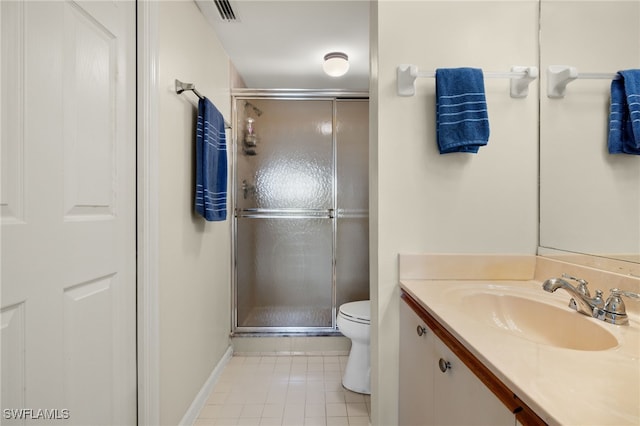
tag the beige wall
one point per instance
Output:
(422, 201)
(194, 254)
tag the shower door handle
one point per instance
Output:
(285, 213)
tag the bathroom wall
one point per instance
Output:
(422, 201)
(194, 255)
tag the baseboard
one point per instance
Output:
(201, 399)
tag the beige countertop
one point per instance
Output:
(563, 386)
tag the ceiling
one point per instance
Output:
(281, 44)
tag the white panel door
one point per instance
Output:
(68, 212)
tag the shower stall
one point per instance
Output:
(301, 225)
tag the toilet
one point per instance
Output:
(353, 321)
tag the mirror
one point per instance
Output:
(589, 199)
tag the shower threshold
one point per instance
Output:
(288, 320)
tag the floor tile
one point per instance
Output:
(314, 410)
(336, 410)
(271, 421)
(357, 409)
(333, 397)
(273, 410)
(357, 421)
(315, 421)
(353, 397)
(294, 411)
(337, 421)
(284, 390)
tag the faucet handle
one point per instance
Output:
(614, 310)
(615, 304)
(582, 284)
(630, 294)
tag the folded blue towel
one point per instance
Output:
(462, 121)
(624, 115)
(211, 163)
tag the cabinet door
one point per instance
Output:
(460, 397)
(417, 359)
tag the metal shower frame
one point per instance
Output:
(284, 94)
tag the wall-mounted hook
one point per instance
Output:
(558, 76)
(520, 85)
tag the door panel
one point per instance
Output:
(291, 165)
(301, 211)
(90, 89)
(12, 74)
(12, 320)
(352, 178)
(284, 266)
(68, 246)
(285, 201)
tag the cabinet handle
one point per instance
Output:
(421, 330)
(444, 365)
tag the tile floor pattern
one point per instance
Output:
(284, 391)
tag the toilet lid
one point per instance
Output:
(357, 311)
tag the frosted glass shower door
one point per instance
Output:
(287, 283)
(285, 198)
(352, 233)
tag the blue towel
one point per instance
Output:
(624, 114)
(462, 121)
(211, 163)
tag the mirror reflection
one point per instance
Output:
(589, 199)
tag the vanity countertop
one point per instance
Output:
(563, 386)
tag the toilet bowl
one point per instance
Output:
(354, 322)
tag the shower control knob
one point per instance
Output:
(444, 365)
(421, 330)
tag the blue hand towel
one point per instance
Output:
(211, 163)
(624, 114)
(462, 121)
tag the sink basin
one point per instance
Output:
(538, 321)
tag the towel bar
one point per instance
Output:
(181, 87)
(558, 76)
(520, 78)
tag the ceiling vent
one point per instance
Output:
(224, 9)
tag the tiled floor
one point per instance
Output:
(285, 391)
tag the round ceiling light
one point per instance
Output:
(336, 64)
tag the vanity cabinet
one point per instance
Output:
(417, 370)
(460, 398)
(438, 388)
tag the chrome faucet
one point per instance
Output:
(612, 311)
(581, 299)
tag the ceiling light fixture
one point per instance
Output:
(336, 64)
